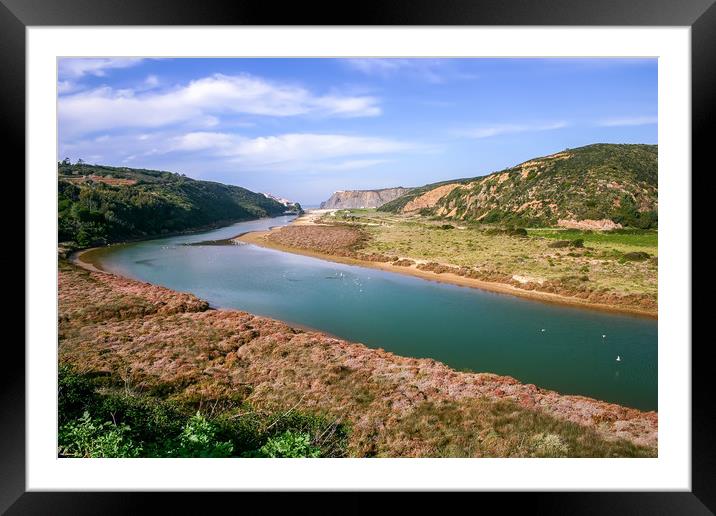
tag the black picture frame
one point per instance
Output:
(17, 15)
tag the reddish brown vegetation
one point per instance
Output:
(335, 240)
(167, 342)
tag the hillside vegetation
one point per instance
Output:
(596, 182)
(100, 204)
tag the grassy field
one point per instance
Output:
(612, 262)
(625, 240)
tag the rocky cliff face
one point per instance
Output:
(346, 199)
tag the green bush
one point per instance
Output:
(87, 437)
(289, 445)
(198, 439)
(124, 425)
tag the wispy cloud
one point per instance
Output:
(76, 68)
(64, 87)
(500, 129)
(291, 151)
(107, 108)
(294, 149)
(430, 70)
(629, 120)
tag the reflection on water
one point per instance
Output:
(568, 349)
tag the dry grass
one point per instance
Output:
(597, 271)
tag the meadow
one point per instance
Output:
(620, 262)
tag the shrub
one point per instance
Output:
(151, 421)
(87, 437)
(636, 256)
(289, 445)
(141, 425)
(198, 439)
(75, 394)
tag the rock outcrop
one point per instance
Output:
(346, 199)
(598, 225)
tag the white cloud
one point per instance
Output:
(625, 121)
(105, 108)
(152, 81)
(292, 150)
(499, 129)
(75, 68)
(64, 87)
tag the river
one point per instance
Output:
(568, 349)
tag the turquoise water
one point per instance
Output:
(463, 327)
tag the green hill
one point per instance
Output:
(100, 204)
(595, 182)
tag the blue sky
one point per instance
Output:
(303, 128)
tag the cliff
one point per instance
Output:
(345, 199)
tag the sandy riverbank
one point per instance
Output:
(83, 258)
(260, 238)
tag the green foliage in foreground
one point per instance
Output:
(97, 421)
(289, 444)
(92, 212)
(87, 437)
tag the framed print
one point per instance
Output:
(414, 250)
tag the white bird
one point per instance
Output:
(543, 329)
(604, 336)
(619, 359)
